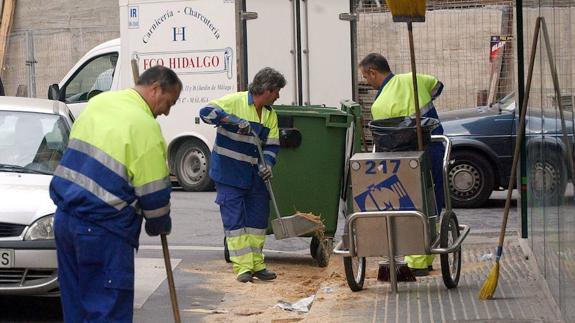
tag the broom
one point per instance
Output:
(409, 12)
(403, 273)
(490, 284)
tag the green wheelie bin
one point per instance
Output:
(310, 171)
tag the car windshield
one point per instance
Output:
(31, 142)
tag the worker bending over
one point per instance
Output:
(238, 173)
(113, 171)
(395, 99)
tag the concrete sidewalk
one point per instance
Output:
(521, 296)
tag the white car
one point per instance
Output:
(33, 136)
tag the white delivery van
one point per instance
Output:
(197, 39)
(305, 40)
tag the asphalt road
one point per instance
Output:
(197, 237)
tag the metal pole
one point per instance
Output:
(31, 62)
(171, 285)
(391, 254)
(415, 92)
(520, 97)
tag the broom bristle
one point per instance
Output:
(383, 273)
(490, 285)
(403, 273)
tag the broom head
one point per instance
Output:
(490, 285)
(407, 10)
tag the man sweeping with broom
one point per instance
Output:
(395, 99)
(239, 173)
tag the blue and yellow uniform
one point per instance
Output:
(241, 193)
(113, 171)
(395, 99)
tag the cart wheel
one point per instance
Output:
(322, 251)
(226, 251)
(313, 246)
(354, 272)
(450, 263)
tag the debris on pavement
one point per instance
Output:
(205, 311)
(302, 306)
(486, 257)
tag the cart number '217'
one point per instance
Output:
(372, 166)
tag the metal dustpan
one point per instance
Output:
(293, 225)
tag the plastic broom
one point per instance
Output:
(490, 284)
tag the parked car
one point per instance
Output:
(33, 136)
(483, 141)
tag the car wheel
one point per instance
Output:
(191, 166)
(547, 179)
(471, 179)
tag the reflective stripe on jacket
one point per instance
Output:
(115, 166)
(234, 156)
(396, 97)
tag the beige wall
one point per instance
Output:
(452, 44)
(63, 30)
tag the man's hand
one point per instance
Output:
(157, 226)
(265, 171)
(244, 127)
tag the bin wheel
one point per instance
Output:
(226, 251)
(313, 246)
(451, 262)
(321, 251)
(354, 272)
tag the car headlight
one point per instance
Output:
(42, 229)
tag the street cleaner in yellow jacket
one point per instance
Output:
(112, 176)
(238, 173)
(395, 99)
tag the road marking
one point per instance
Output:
(208, 248)
(150, 273)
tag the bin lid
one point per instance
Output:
(333, 116)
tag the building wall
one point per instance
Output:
(62, 31)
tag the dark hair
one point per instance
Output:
(267, 79)
(167, 78)
(375, 61)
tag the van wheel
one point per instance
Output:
(192, 164)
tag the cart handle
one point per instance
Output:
(446, 157)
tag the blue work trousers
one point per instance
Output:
(245, 217)
(95, 272)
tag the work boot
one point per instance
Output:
(420, 272)
(265, 274)
(245, 277)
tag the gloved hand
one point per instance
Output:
(244, 127)
(157, 226)
(265, 171)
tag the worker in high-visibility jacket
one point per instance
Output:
(238, 173)
(395, 99)
(113, 174)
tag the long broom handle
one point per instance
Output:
(171, 285)
(558, 96)
(165, 250)
(268, 182)
(519, 139)
(415, 91)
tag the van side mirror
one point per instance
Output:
(54, 92)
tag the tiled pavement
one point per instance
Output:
(521, 296)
